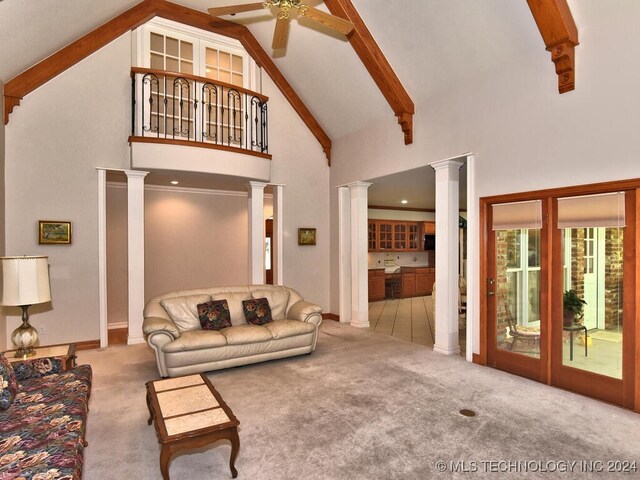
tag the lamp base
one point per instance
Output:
(24, 338)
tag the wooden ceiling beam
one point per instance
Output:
(377, 65)
(36, 76)
(560, 36)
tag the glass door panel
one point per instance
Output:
(592, 335)
(517, 291)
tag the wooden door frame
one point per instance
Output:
(529, 367)
(630, 396)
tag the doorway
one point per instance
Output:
(541, 252)
(268, 251)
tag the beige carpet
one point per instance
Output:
(363, 406)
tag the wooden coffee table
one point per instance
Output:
(189, 413)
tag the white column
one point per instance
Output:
(278, 234)
(256, 232)
(135, 245)
(102, 256)
(344, 253)
(447, 212)
(359, 251)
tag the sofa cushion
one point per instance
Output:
(289, 328)
(278, 299)
(242, 334)
(196, 339)
(214, 315)
(257, 311)
(184, 310)
(8, 383)
(234, 300)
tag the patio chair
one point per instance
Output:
(529, 337)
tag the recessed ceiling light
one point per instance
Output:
(174, 182)
(404, 202)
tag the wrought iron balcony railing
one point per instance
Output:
(176, 106)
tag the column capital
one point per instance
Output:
(442, 164)
(251, 186)
(136, 173)
(358, 185)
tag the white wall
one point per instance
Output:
(299, 164)
(54, 140)
(525, 135)
(117, 259)
(194, 240)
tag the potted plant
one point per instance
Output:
(573, 307)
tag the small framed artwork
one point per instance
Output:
(306, 236)
(54, 232)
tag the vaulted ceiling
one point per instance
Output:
(432, 45)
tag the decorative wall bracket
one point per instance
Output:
(560, 36)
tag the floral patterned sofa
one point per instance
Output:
(43, 414)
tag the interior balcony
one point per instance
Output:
(188, 123)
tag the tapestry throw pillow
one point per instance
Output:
(8, 383)
(257, 311)
(214, 315)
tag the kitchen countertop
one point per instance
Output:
(394, 268)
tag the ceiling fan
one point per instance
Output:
(286, 7)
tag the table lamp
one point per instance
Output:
(25, 282)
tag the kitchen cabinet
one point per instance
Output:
(425, 278)
(414, 238)
(372, 235)
(429, 228)
(393, 236)
(385, 235)
(376, 284)
(408, 282)
(400, 236)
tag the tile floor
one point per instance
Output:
(410, 319)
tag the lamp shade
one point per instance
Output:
(25, 280)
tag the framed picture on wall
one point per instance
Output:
(306, 236)
(54, 232)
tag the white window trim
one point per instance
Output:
(200, 39)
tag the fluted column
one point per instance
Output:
(447, 212)
(359, 251)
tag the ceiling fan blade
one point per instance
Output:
(231, 9)
(281, 33)
(335, 23)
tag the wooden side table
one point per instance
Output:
(65, 353)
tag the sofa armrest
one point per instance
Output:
(156, 324)
(306, 312)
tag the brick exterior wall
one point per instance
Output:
(613, 269)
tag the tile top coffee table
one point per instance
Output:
(187, 413)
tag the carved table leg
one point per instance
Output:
(165, 457)
(235, 446)
(149, 407)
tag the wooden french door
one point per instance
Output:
(516, 288)
(527, 268)
(604, 368)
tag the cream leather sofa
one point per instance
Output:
(172, 329)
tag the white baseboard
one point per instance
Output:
(113, 326)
